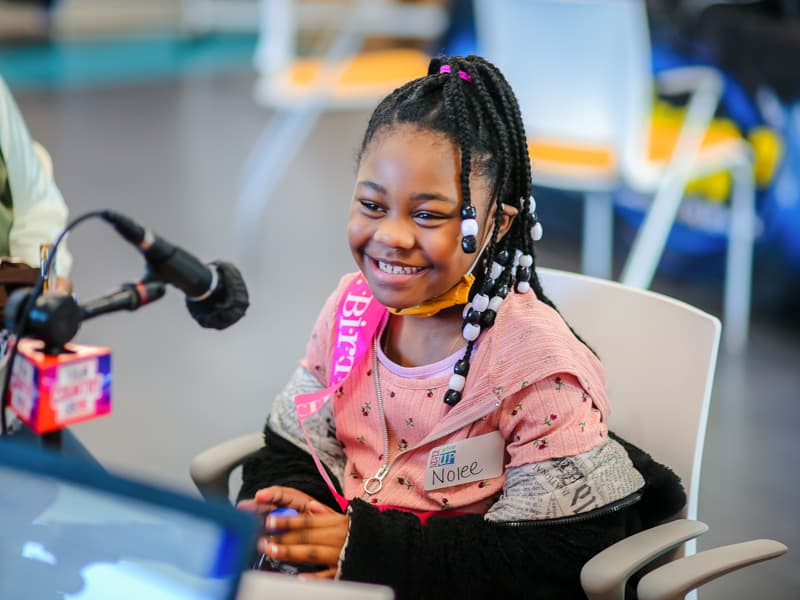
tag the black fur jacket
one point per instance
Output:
(466, 556)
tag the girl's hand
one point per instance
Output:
(310, 538)
(315, 536)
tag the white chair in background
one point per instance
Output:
(582, 73)
(660, 355)
(338, 74)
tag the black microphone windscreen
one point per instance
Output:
(227, 304)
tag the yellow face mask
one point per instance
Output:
(458, 294)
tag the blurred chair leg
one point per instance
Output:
(739, 267)
(648, 246)
(274, 151)
(598, 234)
(283, 138)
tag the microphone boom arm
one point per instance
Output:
(130, 296)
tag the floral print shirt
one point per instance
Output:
(531, 380)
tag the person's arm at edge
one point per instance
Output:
(40, 212)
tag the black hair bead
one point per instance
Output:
(523, 273)
(473, 316)
(502, 291)
(462, 367)
(452, 397)
(469, 244)
(502, 257)
(487, 317)
(488, 286)
(469, 212)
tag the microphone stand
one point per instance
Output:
(55, 320)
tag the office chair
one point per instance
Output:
(582, 73)
(342, 75)
(660, 355)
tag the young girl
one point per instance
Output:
(445, 433)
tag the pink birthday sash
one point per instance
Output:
(357, 319)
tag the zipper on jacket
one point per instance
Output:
(373, 485)
(601, 511)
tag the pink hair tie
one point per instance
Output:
(463, 74)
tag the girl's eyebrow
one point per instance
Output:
(419, 197)
(374, 186)
(424, 197)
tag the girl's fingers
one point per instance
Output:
(270, 498)
(284, 497)
(307, 553)
(306, 521)
(318, 508)
(330, 536)
(253, 505)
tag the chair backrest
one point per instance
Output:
(335, 67)
(659, 354)
(580, 68)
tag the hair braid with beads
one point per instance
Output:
(469, 101)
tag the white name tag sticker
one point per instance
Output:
(464, 461)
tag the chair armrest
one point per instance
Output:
(604, 576)
(211, 469)
(675, 579)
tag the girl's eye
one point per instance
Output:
(370, 206)
(424, 215)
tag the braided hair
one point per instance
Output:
(469, 101)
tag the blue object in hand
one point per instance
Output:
(280, 512)
(264, 562)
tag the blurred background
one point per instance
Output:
(230, 127)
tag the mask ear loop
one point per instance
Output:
(479, 255)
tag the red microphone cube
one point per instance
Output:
(52, 391)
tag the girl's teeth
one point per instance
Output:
(397, 269)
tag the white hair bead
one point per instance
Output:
(471, 332)
(536, 232)
(533, 203)
(469, 227)
(495, 302)
(480, 302)
(464, 312)
(497, 270)
(457, 382)
(517, 254)
(523, 287)
(526, 260)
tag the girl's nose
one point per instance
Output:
(394, 233)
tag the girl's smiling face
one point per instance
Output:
(405, 222)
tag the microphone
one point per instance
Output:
(216, 295)
(226, 305)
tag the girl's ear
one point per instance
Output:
(509, 214)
